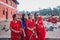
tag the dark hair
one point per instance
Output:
(36, 14)
(14, 15)
(23, 19)
(29, 14)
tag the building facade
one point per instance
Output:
(7, 9)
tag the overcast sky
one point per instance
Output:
(31, 5)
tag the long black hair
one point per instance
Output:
(23, 19)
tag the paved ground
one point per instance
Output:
(4, 33)
(53, 34)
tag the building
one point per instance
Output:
(7, 9)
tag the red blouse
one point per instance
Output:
(15, 26)
(30, 23)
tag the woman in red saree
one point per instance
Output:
(31, 28)
(15, 26)
(40, 27)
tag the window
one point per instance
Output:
(3, 12)
(11, 3)
(6, 1)
(11, 12)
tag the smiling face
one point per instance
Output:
(30, 16)
(36, 15)
(16, 17)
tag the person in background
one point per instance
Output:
(41, 32)
(31, 28)
(15, 28)
(53, 21)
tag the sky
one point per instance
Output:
(32, 5)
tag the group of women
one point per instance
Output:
(28, 27)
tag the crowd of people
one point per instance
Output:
(52, 22)
(27, 27)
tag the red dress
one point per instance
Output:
(15, 26)
(30, 24)
(40, 29)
